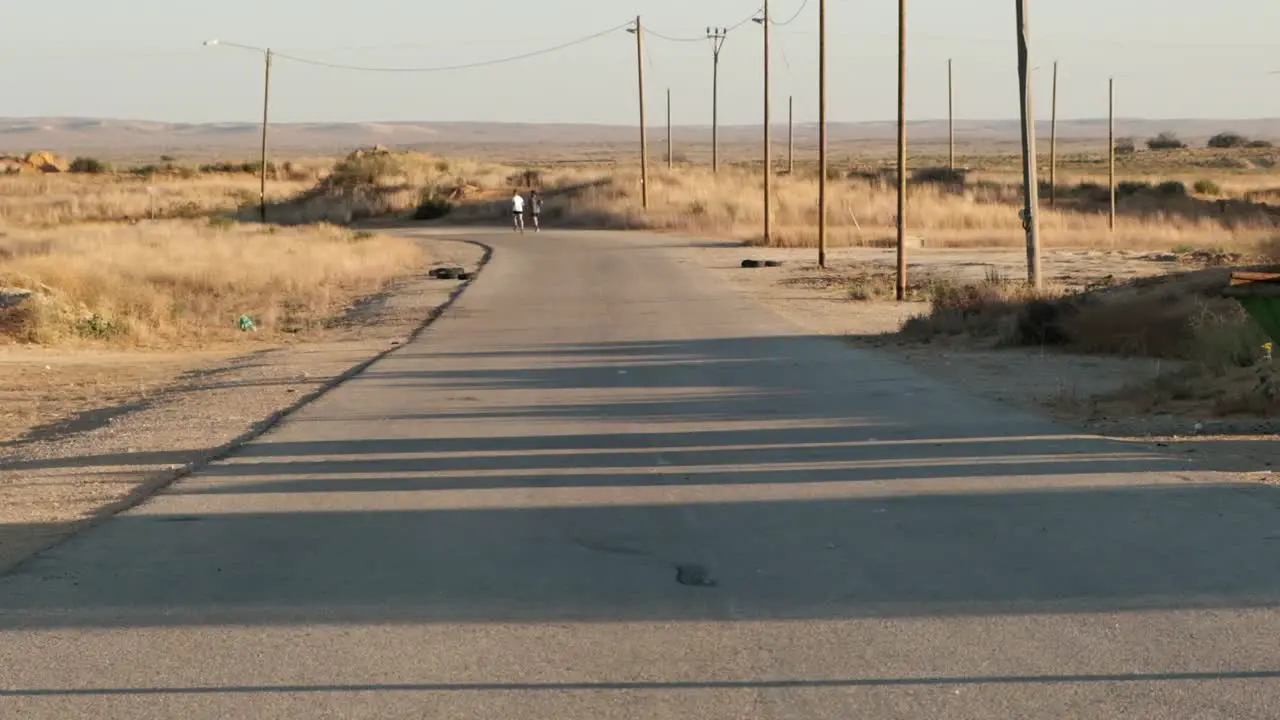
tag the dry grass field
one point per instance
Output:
(113, 284)
(187, 282)
(1186, 209)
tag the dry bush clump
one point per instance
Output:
(179, 282)
(1218, 355)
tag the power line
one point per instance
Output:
(670, 38)
(463, 66)
(730, 28)
(794, 17)
(745, 20)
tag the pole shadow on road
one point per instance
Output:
(809, 490)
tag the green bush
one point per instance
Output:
(1173, 188)
(1165, 141)
(940, 176)
(251, 168)
(1228, 140)
(89, 166)
(1131, 187)
(1126, 146)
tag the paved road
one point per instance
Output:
(605, 486)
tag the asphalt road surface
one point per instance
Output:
(606, 486)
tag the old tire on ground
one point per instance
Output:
(750, 263)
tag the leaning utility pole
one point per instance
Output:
(644, 141)
(1030, 210)
(716, 36)
(266, 104)
(768, 138)
(822, 133)
(902, 150)
(1053, 143)
(951, 119)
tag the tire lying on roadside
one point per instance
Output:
(751, 263)
(445, 273)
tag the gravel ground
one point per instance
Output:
(120, 440)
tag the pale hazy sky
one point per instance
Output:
(143, 58)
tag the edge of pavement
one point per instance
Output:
(160, 481)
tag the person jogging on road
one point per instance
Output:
(535, 209)
(517, 212)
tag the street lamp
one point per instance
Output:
(266, 100)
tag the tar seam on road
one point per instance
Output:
(148, 488)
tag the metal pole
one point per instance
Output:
(768, 138)
(1030, 210)
(266, 103)
(902, 150)
(822, 133)
(1053, 143)
(644, 142)
(670, 159)
(1111, 150)
(951, 119)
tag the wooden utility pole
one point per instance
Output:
(1111, 150)
(822, 133)
(262, 159)
(644, 140)
(670, 156)
(1031, 209)
(791, 135)
(768, 136)
(951, 119)
(902, 150)
(717, 37)
(1053, 143)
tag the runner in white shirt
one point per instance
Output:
(517, 212)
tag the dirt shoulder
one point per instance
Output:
(86, 433)
(1063, 386)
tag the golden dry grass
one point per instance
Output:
(183, 282)
(730, 205)
(49, 200)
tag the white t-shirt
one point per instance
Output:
(517, 204)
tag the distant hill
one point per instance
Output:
(141, 137)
